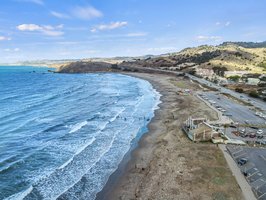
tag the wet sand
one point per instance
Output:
(166, 164)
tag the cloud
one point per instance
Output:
(111, 26)
(29, 27)
(228, 23)
(161, 49)
(60, 15)
(39, 2)
(140, 34)
(3, 38)
(46, 29)
(86, 13)
(203, 38)
(12, 50)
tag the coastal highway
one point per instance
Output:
(243, 97)
(238, 113)
(255, 102)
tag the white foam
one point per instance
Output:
(44, 120)
(97, 160)
(20, 195)
(78, 126)
(78, 152)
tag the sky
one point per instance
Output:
(74, 29)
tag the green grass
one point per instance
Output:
(220, 196)
(218, 180)
(179, 84)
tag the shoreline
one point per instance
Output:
(131, 156)
(147, 170)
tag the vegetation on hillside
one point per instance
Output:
(226, 57)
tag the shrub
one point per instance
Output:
(234, 78)
(239, 90)
(254, 94)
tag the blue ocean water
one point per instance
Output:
(63, 135)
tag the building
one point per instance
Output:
(253, 81)
(235, 73)
(199, 130)
(205, 72)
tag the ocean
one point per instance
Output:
(63, 135)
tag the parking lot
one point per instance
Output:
(253, 168)
(248, 126)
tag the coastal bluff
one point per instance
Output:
(91, 67)
(85, 67)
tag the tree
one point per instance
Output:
(254, 94)
(234, 78)
(239, 90)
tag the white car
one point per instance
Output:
(242, 131)
(258, 113)
(259, 131)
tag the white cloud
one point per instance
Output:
(12, 50)
(60, 15)
(46, 29)
(111, 26)
(203, 38)
(53, 33)
(2, 38)
(140, 34)
(227, 23)
(39, 2)
(161, 49)
(29, 27)
(86, 13)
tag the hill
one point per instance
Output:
(230, 56)
(247, 44)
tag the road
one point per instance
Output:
(237, 112)
(255, 102)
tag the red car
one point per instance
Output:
(252, 135)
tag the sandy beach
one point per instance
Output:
(166, 164)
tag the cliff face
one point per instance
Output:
(85, 67)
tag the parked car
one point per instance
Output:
(243, 135)
(260, 131)
(259, 136)
(261, 142)
(258, 113)
(228, 114)
(254, 127)
(242, 161)
(252, 135)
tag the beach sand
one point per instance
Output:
(166, 164)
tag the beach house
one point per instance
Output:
(198, 129)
